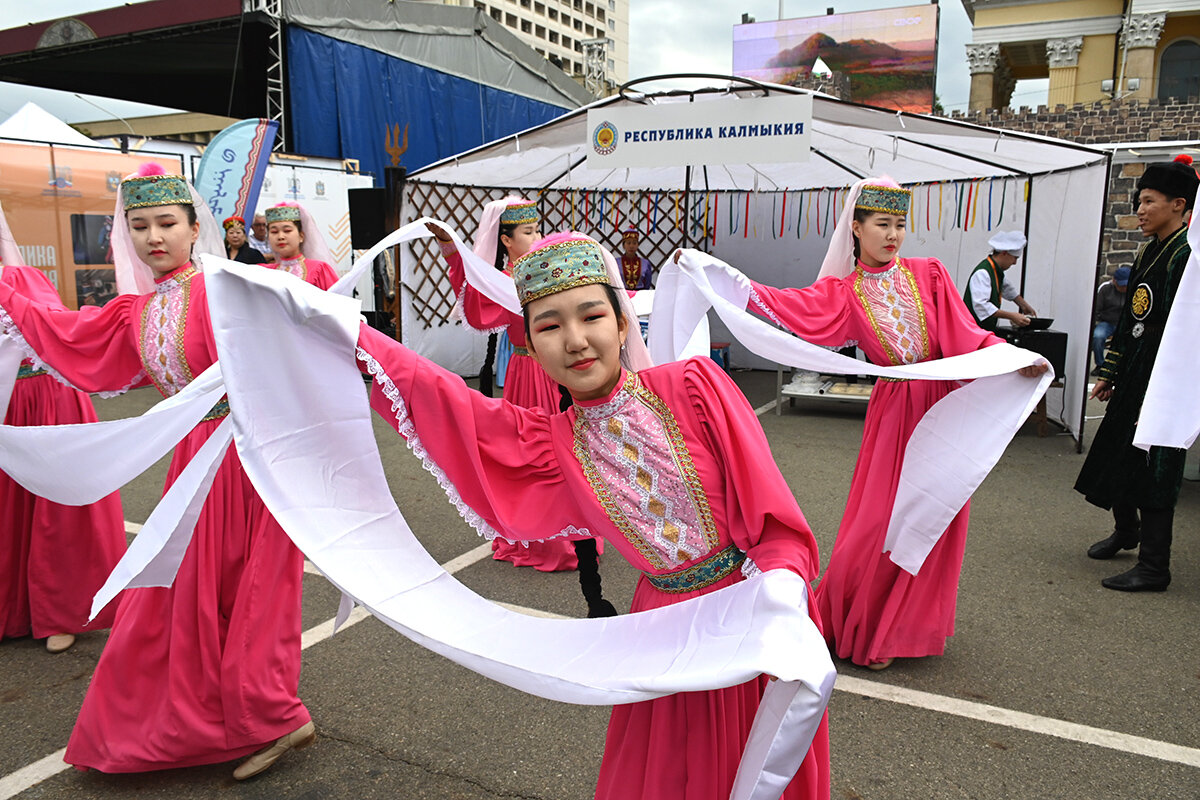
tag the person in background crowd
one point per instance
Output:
(987, 285)
(258, 237)
(635, 269)
(1110, 297)
(236, 248)
(1141, 487)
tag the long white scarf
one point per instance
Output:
(952, 449)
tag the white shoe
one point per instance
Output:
(59, 642)
(303, 736)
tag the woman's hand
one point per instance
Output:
(675, 258)
(1101, 391)
(439, 232)
(1034, 370)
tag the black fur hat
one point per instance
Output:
(1173, 178)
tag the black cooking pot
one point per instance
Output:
(1038, 324)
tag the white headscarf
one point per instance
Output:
(135, 276)
(313, 247)
(9, 253)
(839, 258)
(487, 235)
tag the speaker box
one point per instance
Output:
(1051, 345)
(367, 217)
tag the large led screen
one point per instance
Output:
(889, 55)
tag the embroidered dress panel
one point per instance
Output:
(295, 266)
(638, 465)
(164, 319)
(893, 305)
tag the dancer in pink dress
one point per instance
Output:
(668, 463)
(507, 229)
(53, 558)
(897, 311)
(298, 245)
(206, 670)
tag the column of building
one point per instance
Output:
(1139, 40)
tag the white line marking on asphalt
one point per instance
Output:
(758, 412)
(1047, 726)
(16, 782)
(132, 527)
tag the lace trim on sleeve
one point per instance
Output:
(770, 314)
(9, 328)
(405, 427)
(749, 568)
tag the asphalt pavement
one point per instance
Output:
(1052, 686)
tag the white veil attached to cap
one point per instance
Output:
(135, 276)
(839, 258)
(9, 252)
(487, 235)
(313, 247)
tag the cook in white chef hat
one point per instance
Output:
(1008, 242)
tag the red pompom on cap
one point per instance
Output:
(1184, 158)
(150, 168)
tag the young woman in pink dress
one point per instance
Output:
(668, 463)
(53, 558)
(507, 229)
(897, 311)
(298, 245)
(206, 670)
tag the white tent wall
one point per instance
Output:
(941, 159)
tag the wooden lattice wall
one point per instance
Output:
(659, 216)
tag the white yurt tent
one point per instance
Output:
(773, 221)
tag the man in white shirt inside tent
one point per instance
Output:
(987, 286)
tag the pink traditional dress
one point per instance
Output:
(906, 312)
(318, 273)
(53, 558)
(527, 385)
(674, 470)
(206, 670)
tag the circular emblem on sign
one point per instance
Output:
(1142, 302)
(604, 138)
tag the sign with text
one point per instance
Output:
(733, 130)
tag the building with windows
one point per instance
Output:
(568, 32)
(1088, 49)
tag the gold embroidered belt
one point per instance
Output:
(520, 351)
(893, 380)
(219, 411)
(27, 371)
(705, 573)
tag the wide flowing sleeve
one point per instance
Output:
(480, 312)
(957, 330)
(93, 349)
(764, 518)
(819, 313)
(320, 274)
(498, 463)
(31, 282)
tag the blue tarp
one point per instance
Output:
(344, 98)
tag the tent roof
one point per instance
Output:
(34, 123)
(848, 141)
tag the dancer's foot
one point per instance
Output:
(59, 642)
(303, 736)
(878, 665)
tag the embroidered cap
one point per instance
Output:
(557, 263)
(284, 212)
(884, 199)
(151, 186)
(234, 220)
(630, 233)
(520, 214)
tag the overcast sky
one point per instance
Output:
(666, 36)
